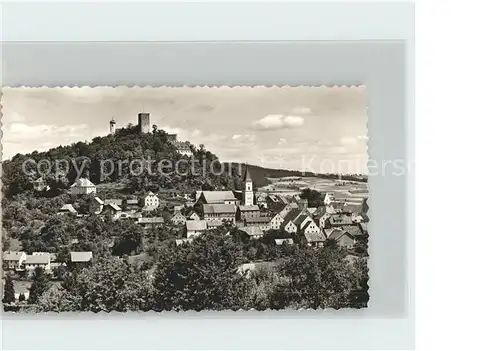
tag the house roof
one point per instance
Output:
(354, 229)
(249, 208)
(150, 194)
(132, 202)
(301, 218)
(314, 237)
(218, 196)
(83, 182)
(67, 207)
(113, 201)
(149, 208)
(196, 225)
(178, 214)
(281, 241)
(81, 256)
(291, 216)
(260, 219)
(150, 220)
(114, 206)
(252, 230)
(12, 255)
(38, 259)
(98, 200)
(219, 208)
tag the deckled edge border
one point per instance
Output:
(338, 313)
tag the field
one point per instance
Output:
(350, 190)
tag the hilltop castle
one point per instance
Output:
(143, 121)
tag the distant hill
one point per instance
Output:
(260, 175)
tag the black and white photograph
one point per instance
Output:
(184, 198)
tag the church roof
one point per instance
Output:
(218, 196)
(248, 178)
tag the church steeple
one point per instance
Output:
(248, 189)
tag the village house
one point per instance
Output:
(13, 259)
(194, 216)
(195, 228)
(262, 222)
(133, 205)
(288, 224)
(301, 220)
(96, 205)
(246, 212)
(149, 222)
(279, 242)
(67, 209)
(311, 228)
(37, 259)
(341, 237)
(183, 148)
(178, 218)
(178, 208)
(150, 202)
(83, 186)
(322, 214)
(314, 239)
(217, 197)
(224, 212)
(39, 184)
(113, 210)
(183, 241)
(80, 258)
(276, 222)
(338, 220)
(254, 232)
(214, 224)
(261, 201)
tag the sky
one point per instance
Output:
(319, 129)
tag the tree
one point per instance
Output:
(22, 297)
(41, 283)
(8, 294)
(200, 276)
(312, 196)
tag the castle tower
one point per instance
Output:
(248, 189)
(112, 126)
(143, 122)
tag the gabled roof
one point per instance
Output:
(314, 237)
(196, 225)
(83, 182)
(178, 214)
(150, 194)
(218, 196)
(81, 256)
(252, 230)
(354, 229)
(114, 206)
(67, 208)
(291, 216)
(181, 145)
(113, 201)
(248, 178)
(13, 255)
(218, 208)
(38, 259)
(98, 200)
(249, 208)
(301, 218)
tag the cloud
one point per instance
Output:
(301, 110)
(236, 136)
(282, 141)
(274, 122)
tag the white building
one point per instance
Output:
(14, 259)
(83, 186)
(151, 201)
(195, 228)
(182, 148)
(38, 259)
